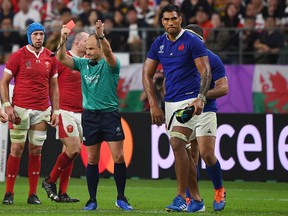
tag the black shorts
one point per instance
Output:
(101, 126)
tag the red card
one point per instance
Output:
(70, 25)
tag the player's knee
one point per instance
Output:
(73, 150)
(18, 136)
(73, 154)
(177, 140)
(37, 137)
(118, 158)
(178, 135)
(209, 158)
(35, 150)
(76, 147)
(93, 159)
(16, 149)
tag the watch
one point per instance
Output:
(101, 37)
(202, 97)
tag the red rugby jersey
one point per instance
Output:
(70, 91)
(32, 73)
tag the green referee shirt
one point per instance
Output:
(99, 84)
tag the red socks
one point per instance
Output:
(64, 178)
(34, 166)
(62, 162)
(63, 167)
(13, 164)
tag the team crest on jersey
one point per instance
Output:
(47, 63)
(161, 49)
(28, 65)
(69, 128)
(181, 47)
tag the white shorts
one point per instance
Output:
(69, 125)
(206, 125)
(171, 107)
(31, 117)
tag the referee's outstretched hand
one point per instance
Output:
(99, 28)
(65, 32)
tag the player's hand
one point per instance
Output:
(190, 106)
(99, 27)
(11, 113)
(198, 105)
(3, 117)
(157, 115)
(54, 120)
(65, 32)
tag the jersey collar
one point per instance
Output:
(72, 54)
(178, 36)
(33, 52)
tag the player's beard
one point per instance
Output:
(173, 31)
(37, 45)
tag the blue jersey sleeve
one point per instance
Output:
(196, 46)
(217, 67)
(218, 71)
(153, 52)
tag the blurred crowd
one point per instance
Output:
(255, 30)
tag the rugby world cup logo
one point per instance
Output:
(161, 49)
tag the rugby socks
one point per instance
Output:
(13, 165)
(120, 178)
(64, 178)
(188, 195)
(92, 178)
(34, 165)
(62, 162)
(215, 174)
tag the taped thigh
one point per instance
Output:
(18, 136)
(37, 137)
(179, 135)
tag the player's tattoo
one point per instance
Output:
(205, 82)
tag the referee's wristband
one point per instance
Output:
(56, 112)
(6, 104)
(202, 97)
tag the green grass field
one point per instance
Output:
(149, 197)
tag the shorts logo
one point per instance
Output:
(118, 131)
(69, 128)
